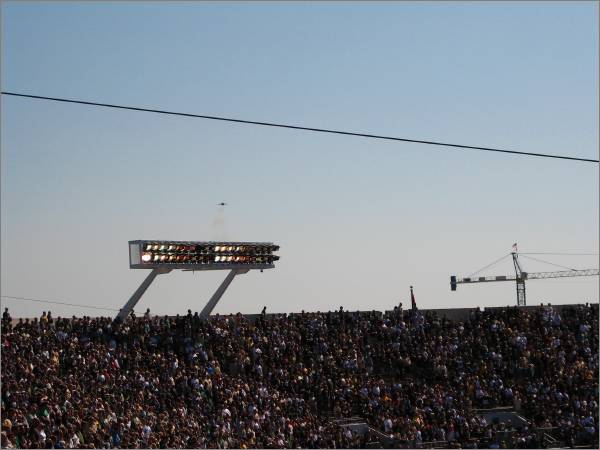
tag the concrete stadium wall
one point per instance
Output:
(454, 314)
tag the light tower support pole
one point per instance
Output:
(126, 310)
(219, 292)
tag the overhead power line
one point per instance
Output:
(296, 127)
(58, 303)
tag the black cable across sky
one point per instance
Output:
(296, 127)
(52, 302)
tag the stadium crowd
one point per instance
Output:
(277, 381)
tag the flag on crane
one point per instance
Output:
(514, 247)
(412, 299)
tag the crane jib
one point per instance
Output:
(531, 276)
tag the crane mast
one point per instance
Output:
(520, 280)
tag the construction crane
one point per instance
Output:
(520, 275)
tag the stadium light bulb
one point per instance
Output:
(146, 257)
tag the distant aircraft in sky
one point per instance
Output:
(221, 204)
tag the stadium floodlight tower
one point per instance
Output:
(164, 256)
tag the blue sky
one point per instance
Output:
(358, 220)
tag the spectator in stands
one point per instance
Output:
(6, 320)
(230, 382)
